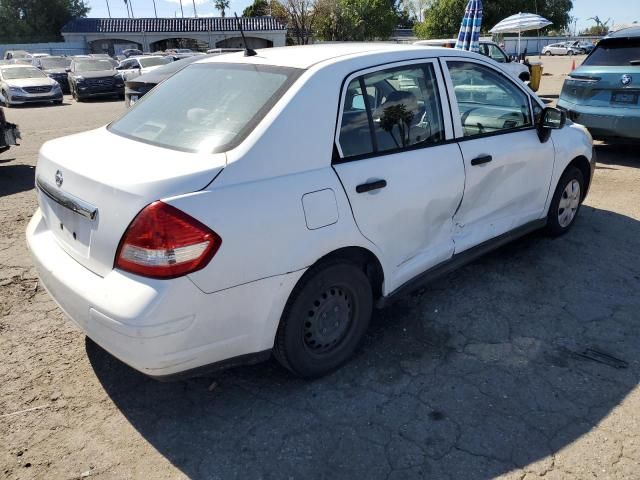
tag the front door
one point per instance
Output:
(403, 179)
(508, 169)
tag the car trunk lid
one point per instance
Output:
(604, 86)
(93, 184)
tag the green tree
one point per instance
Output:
(23, 21)
(356, 20)
(259, 8)
(443, 17)
(221, 5)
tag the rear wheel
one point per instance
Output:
(566, 202)
(570, 53)
(325, 319)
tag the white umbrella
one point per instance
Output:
(520, 22)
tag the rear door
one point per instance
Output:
(403, 175)
(508, 170)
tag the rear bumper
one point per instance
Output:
(159, 327)
(605, 122)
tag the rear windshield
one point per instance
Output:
(154, 61)
(93, 65)
(615, 53)
(207, 107)
(21, 72)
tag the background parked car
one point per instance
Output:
(94, 77)
(56, 68)
(135, 66)
(604, 92)
(20, 84)
(137, 87)
(559, 49)
(16, 54)
(131, 52)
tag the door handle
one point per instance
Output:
(482, 159)
(367, 187)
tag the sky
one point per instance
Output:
(620, 11)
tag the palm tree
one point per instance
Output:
(221, 5)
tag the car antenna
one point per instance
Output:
(248, 52)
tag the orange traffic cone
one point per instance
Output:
(573, 65)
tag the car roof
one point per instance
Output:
(629, 32)
(306, 56)
(18, 65)
(135, 57)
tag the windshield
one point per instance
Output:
(21, 72)
(154, 61)
(93, 65)
(202, 118)
(52, 62)
(615, 53)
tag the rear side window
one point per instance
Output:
(615, 53)
(400, 109)
(208, 107)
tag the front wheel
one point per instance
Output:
(566, 202)
(548, 53)
(325, 319)
(5, 96)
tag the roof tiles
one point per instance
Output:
(135, 25)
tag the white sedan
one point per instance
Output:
(279, 198)
(133, 67)
(560, 49)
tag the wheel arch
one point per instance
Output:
(363, 257)
(582, 164)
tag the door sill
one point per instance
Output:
(459, 260)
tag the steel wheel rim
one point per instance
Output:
(569, 203)
(328, 320)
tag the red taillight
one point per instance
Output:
(164, 242)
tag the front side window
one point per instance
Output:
(487, 100)
(209, 107)
(401, 109)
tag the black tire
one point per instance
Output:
(548, 53)
(324, 319)
(570, 53)
(6, 103)
(554, 226)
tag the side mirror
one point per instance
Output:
(550, 119)
(67, 70)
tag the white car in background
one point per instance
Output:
(21, 84)
(270, 214)
(488, 49)
(133, 67)
(560, 49)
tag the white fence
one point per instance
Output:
(52, 48)
(534, 45)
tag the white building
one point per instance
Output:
(112, 35)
